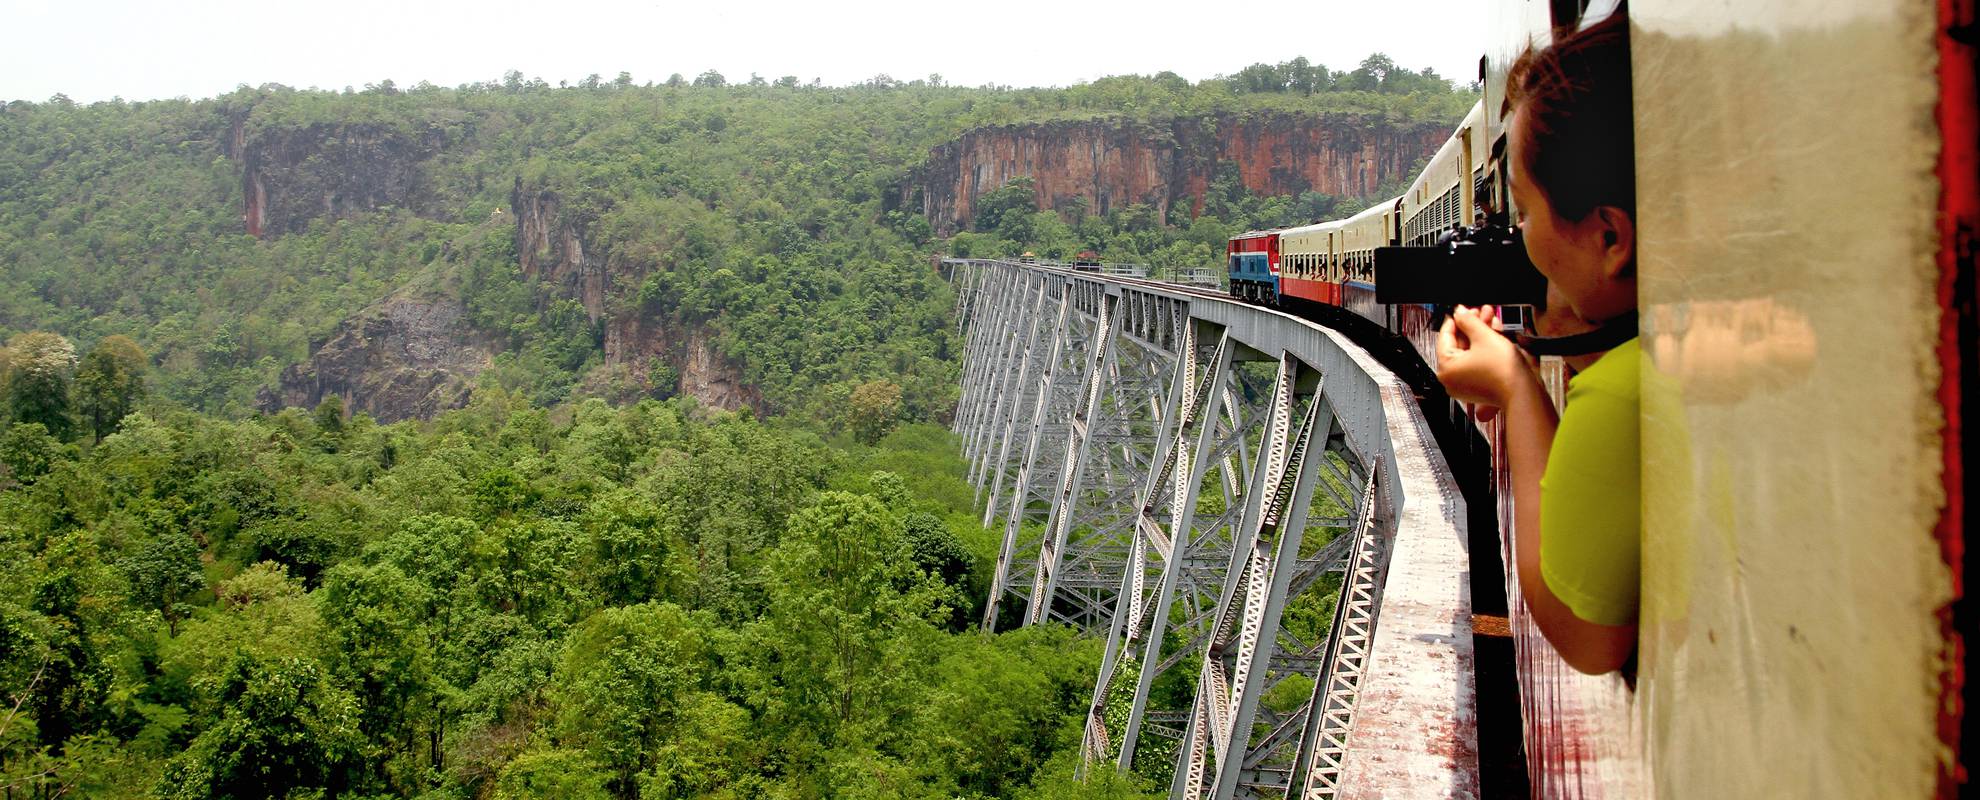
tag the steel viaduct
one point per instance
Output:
(1193, 478)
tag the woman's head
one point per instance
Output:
(1573, 172)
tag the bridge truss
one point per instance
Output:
(1220, 491)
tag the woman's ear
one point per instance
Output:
(1618, 231)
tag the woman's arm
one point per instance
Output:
(1589, 647)
(1477, 364)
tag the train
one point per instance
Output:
(1332, 263)
(1807, 199)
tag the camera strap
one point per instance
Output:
(1611, 333)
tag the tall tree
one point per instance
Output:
(625, 675)
(38, 377)
(1018, 194)
(385, 658)
(874, 410)
(109, 383)
(847, 609)
(1372, 74)
(27, 452)
(329, 418)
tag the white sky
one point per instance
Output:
(140, 50)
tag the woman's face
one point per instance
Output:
(1581, 259)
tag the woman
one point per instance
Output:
(1576, 493)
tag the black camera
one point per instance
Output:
(1472, 266)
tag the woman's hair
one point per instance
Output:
(1580, 137)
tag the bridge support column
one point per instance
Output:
(1002, 386)
(1035, 434)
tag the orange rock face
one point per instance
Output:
(1115, 163)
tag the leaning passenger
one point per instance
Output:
(1456, 233)
(1575, 480)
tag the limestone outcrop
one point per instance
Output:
(406, 357)
(1111, 163)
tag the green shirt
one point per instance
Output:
(1591, 494)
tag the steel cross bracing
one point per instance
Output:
(1173, 583)
(1329, 713)
(1071, 450)
(1232, 745)
(1174, 472)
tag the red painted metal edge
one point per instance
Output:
(1959, 230)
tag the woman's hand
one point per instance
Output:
(1479, 365)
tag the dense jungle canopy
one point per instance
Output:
(587, 582)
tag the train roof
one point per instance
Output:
(1374, 210)
(1317, 227)
(1443, 169)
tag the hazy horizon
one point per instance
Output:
(137, 52)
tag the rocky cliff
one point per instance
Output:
(406, 357)
(290, 176)
(551, 244)
(689, 365)
(1113, 163)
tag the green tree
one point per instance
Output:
(846, 614)
(1260, 78)
(1305, 77)
(1372, 75)
(874, 410)
(27, 452)
(1019, 194)
(997, 706)
(164, 573)
(552, 775)
(329, 418)
(936, 549)
(620, 688)
(284, 728)
(109, 383)
(71, 588)
(37, 381)
(629, 544)
(941, 555)
(385, 658)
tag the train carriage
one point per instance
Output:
(1443, 196)
(1310, 257)
(1774, 632)
(1376, 226)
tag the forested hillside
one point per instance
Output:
(587, 602)
(520, 441)
(750, 245)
